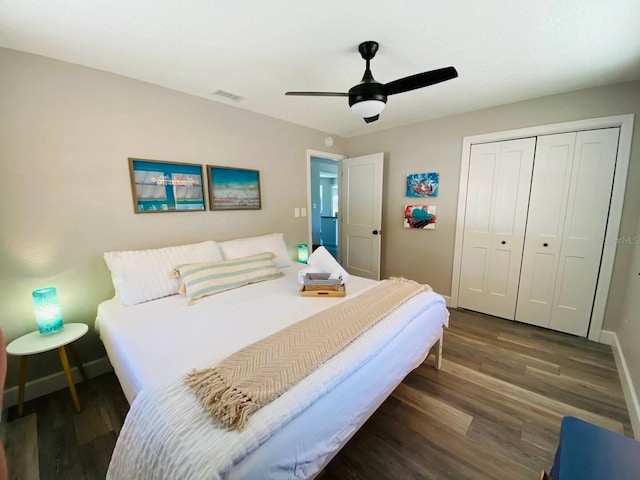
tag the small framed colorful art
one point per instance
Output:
(420, 216)
(423, 184)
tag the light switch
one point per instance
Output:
(296, 212)
(303, 211)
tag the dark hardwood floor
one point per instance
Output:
(492, 412)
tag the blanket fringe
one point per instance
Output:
(229, 407)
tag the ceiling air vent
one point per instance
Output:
(227, 95)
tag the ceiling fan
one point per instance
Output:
(369, 97)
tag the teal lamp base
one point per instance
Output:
(47, 310)
(47, 328)
(303, 252)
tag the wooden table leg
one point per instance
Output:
(21, 381)
(67, 371)
(438, 363)
(76, 358)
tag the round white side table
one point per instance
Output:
(35, 342)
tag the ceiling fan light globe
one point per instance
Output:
(368, 108)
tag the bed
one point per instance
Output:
(167, 433)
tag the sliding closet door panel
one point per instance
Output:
(505, 194)
(477, 232)
(509, 219)
(584, 231)
(545, 224)
(496, 210)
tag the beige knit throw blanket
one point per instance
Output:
(259, 373)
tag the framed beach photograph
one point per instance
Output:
(233, 188)
(159, 186)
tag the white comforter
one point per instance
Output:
(168, 435)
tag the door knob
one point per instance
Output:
(503, 242)
(545, 244)
(375, 232)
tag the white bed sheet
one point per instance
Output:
(305, 446)
(157, 342)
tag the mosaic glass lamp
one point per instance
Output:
(303, 252)
(47, 309)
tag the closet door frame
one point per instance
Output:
(625, 122)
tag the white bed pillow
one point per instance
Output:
(245, 247)
(142, 275)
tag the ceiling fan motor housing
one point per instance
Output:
(367, 91)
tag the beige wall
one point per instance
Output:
(65, 135)
(628, 330)
(436, 146)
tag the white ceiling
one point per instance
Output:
(504, 50)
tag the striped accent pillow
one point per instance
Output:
(202, 279)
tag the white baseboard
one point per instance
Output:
(607, 337)
(625, 378)
(57, 381)
(447, 299)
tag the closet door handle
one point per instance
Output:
(503, 242)
(545, 244)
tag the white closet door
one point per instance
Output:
(496, 212)
(545, 223)
(584, 229)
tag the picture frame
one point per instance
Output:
(422, 217)
(423, 184)
(233, 188)
(159, 186)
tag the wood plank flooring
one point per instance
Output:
(492, 412)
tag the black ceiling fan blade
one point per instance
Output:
(318, 94)
(371, 119)
(420, 80)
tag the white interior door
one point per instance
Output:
(545, 224)
(360, 214)
(584, 230)
(496, 212)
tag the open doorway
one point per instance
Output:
(324, 201)
(358, 219)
